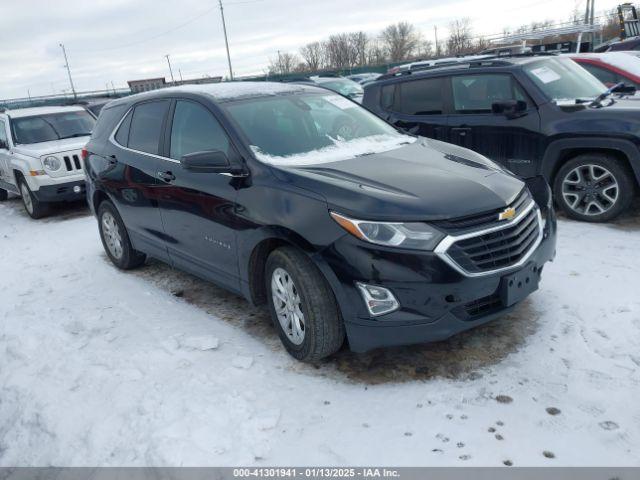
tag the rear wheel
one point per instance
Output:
(116, 240)
(594, 187)
(32, 205)
(302, 305)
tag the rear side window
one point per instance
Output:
(421, 97)
(146, 126)
(195, 129)
(122, 135)
(476, 93)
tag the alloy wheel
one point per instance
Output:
(26, 197)
(590, 190)
(112, 235)
(287, 304)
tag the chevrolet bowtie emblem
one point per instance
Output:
(508, 214)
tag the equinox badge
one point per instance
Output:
(507, 214)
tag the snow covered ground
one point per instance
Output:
(154, 367)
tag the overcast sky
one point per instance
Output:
(120, 40)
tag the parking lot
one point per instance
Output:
(161, 368)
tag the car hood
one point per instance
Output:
(427, 180)
(37, 150)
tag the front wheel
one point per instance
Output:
(115, 238)
(594, 187)
(302, 305)
(3, 195)
(32, 205)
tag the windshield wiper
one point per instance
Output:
(597, 102)
(74, 135)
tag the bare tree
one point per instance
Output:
(375, 52)
(460, 37)
(359, 46)
(400, 41)
(283, 64)
(340, 55)
(314, 55)
(425, 49)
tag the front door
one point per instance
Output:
(6, 177)
(515, 143)
(198, 208)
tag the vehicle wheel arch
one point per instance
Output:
(273, 238)
(561, 151)
(98, 197)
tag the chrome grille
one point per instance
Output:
(496, 248)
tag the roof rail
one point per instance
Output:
(496, 60)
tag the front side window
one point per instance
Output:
(146, 126)
(562, 80)
(343, 86)
(54, 126)
(311, 128)
(422, 97)
(195, 129)
(476, 93)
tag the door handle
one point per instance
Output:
(462, 131)
(166, 176)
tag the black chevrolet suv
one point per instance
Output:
(300, 198)
(534, 115)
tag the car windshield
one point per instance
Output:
(55, 126)
(343, 86)
(561, 79)
(311, 128)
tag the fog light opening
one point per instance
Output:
(77, 189)
(379, 300)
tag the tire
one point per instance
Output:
(594, 187)
(3, 195)
(32, 206)
(115, 238)
(323, 329)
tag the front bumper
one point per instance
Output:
(61, 192)
(436, 300)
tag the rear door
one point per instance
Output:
(516, 143)
(198, 208)
(418, 106)
(132, 178)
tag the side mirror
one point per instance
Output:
(212, 161)
(509, 108)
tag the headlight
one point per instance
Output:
(51, 163)
(417, 236)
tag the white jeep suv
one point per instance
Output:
(40, 155)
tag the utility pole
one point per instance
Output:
(170, 71)
(435, 32)
(180, 73)
(66, 62)
(29, 94)
(113, 86)
(226, 40)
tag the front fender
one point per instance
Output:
(24, 165)
(555, 150)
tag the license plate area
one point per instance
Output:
(519, 285)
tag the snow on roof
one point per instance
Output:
(622, 60)
(232, 90)
(32, 111)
